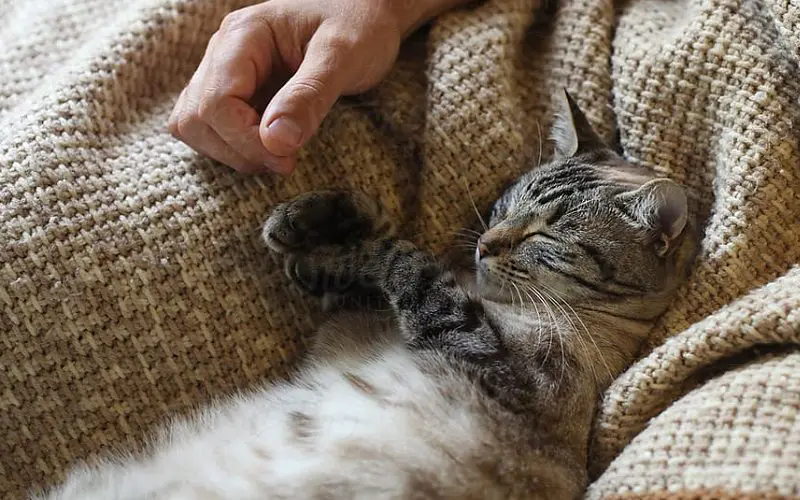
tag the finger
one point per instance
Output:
(185, 125)
(175, 115)
(298, 108)
(237, 124)
(181, 110)
(238, 64)
(203, 139)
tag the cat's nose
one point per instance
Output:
(483, 250)
(486, 248)
(493, 242)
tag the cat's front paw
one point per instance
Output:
(323, 218)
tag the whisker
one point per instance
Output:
(538, 324)
(418, 234)
(588, 333)
(536, 310)
(521, 302)
(502, 284)
(470, 231)
(563, 359)
(578, 335)
(552, 316)
(539, 131)
(475, 207)
(502, 287)
(553, 319)
(566, 316)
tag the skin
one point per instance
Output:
(300, 56)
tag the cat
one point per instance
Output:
(441, 388)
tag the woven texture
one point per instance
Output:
(133, 284)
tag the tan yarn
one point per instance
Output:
(133, 284)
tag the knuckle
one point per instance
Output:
(182, 126)
(242, 19)
(172, 127)
(207, 107)
(233, 20)
(343, 42)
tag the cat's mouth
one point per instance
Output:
(491, 283)
(499, 281)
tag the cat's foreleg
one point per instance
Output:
(434, 313)
(340, 242)
(433, 310)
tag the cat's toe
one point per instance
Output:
(282, 236)
(304, 275)
(326, 217)
(316, 278)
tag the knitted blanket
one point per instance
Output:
(133, 284)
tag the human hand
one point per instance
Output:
(329, 47)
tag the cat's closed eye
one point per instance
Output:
(538, 236)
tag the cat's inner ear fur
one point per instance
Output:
(660, 206)
(572, 133)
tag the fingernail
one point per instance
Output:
(286, 131)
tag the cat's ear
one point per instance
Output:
(659, 206)
(572, 133)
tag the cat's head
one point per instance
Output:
(588, 227)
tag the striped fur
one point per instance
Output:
(477, 389)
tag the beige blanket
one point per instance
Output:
(133, 283)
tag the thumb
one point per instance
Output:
(298, 108)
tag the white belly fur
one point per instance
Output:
(365, 415)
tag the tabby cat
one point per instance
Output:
(464, 390)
